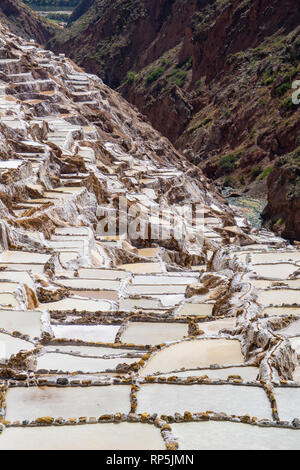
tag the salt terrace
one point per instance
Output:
(140, 343)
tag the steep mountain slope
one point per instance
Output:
(23, 21)
(213, 76)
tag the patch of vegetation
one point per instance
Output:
(282, 89)
(287, 106)
(228, 163)
(155, 74)
(131, 76)
(255, 172)
(229, 181)
(266, 173)
(294, 191)
(200, 124)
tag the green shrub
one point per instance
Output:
(155, 74)
(255, 172)
(228, 163)
(287, 105)
(266, 173)
(131, 76)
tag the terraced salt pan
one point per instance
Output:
(274, 311)
(80, 305)
(20, 257)
(97, 294)
(131, 304)
(142, 268)
(277, 271)
(168, 300)
(8, 286)
(262, 284)
(188, 309)
(17, 276)
(26, 322)
(247, 373)
(108, 436)
(233, 436)
(34, 402)
(90, 284)
(90, 273)
(193, 354)
(92, 351)
(293, 329)
(272, 257)
(9, 300)
(156, 289)
(295, 342)
(153, 333)
(89, 333)
(10, 345)
(279, 297)
(213, 327)
(163, 280)
(149, 252)
(238, 400)
(69, 363)
(82, 231)
(288, 403)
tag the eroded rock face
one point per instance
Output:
(115, 249)
(214, 77)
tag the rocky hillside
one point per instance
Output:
(23, 21)
(215, 77)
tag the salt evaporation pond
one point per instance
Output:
(246, 373)
(288, 403)
(9, 300)
(274, 311)
(90, 273)
(271, 257)
(104, 436)
(26, 322)
(279, 297)
(163, 280)
(230, 399)
(72, 303)
(21, 257)
(93, 351)
(293, 329)
(153, 333)
(213, 327)
(193, 354)
(276, 271)
(66, 402)
(295, 342)
(69, 363)
(89, 333)
(188, 309)
(10, 345)
(234, 436)
(263, 284)
(90, 284)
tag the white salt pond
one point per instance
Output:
(276, 271)
(246, 373)
(17, 276)
(89, 333)
(9, 300)
(230, 399)
(90, 273)
(10, 345)
(189, 309)
(80, 305)
(35, 268)
(274, 311)
(193, 354)
(104, 436)
(92, 351)
(69, 363)
(263, 284)
(288, 403)
(23, 257)
(26, 322)
(156, 289)
(213, 327)
(272, 257)
(69, 402)
(293, 329)
(153, 333)
(163, 280)
(279, 297)
(90, 284)
(233, 436)
(295, 342)
(131, 304)
(142, 267)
